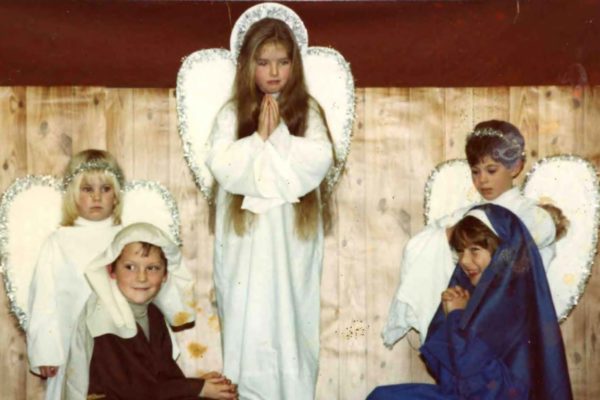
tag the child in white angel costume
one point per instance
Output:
(44, 247)
(496, 153)
(275, 150)
(91, 214)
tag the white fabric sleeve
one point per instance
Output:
(44, 337)
(272, 172)
(76, 382)
(427, 266)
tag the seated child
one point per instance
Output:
(496, 153)
(122, 347)
(495, 334)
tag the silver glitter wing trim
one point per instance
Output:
(565, 181)
(150, 201)
(447, 189)
(29, 212)
(329, 80)
(267, 10)
(570, 183)
(204, 85)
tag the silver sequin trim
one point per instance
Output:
(594, 196)
(20, 185)
(182, 124)
(174, 226)
(267, 10)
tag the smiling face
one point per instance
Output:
(272, 68)
(96, 198)
(492, 178)
(473, 260)
(140, 272)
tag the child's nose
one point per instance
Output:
(274, 70)
(141, 276)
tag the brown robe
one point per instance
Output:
(138, 368)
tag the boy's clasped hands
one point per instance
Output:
(217, 386)
(454, 298)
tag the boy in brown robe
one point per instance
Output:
(122, 338)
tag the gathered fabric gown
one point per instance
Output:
(506, 344)
(428, 262)
(268, 280)
(59, 291)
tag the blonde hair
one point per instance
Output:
(294, 103)
(81, 166)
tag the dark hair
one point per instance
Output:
(471, 231)
(146, 249)
(500, 140)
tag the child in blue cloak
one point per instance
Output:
(495, 335)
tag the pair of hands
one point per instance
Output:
(454, 298)
(268, 119)
(217, 386)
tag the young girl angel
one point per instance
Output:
(121, 348)
(270, 151)
(91, 213)
(495, 335)
(495, 151)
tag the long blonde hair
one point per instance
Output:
(79, 167)
(294, 103)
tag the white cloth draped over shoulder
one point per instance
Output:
(268, 280)
(428, 262)
(59, 291)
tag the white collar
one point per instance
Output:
(105, 223)
(507, 198)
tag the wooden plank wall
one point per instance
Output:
(399, 136)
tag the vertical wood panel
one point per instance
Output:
(13, 156)
(119, 128)
(524, 114)
(49, 131)
(400, 135)
(458, 121)
(388, 222)
(151, 134)
(352, 326)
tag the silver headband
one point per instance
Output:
(509, 152)
(262, 11)
(93, 165)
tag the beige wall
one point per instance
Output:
(400, 135)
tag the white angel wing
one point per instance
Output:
(448, 189)
(151, 202)
(330, 82)
(571, 184)
(206, 77)
(30, 210)
(204, 85)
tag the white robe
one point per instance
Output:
(428, 263)
(268, 281)
(59, 291)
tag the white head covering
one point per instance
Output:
(480, 215)
(111, 312)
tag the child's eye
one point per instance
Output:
(106, 188)
(474, 172)
(86, 188)
(492, 171)
(261, 63)
(129, 267)
(284, 62)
